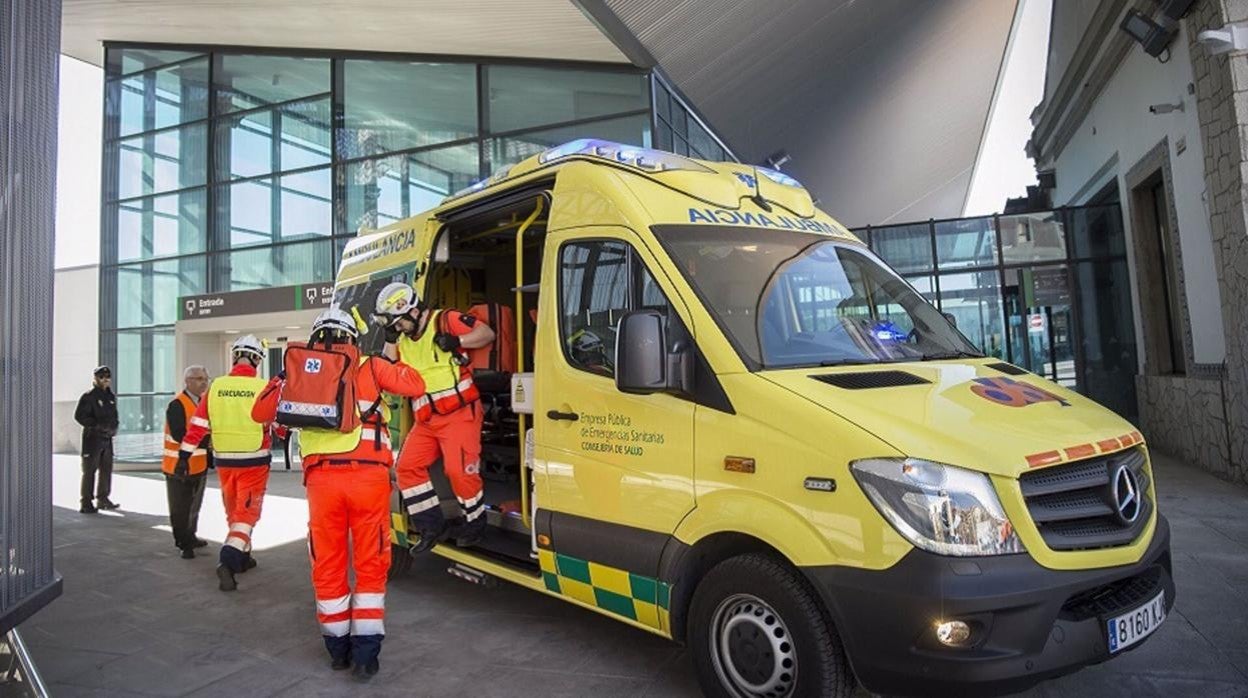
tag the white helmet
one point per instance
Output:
(337, 322)
(247, 345)
(396, 300)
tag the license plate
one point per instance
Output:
(1131, 627)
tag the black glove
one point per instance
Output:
(446, 341)
(281, 375)
(183, 468)
(391, 334)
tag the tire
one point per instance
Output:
(400, 562)
(757, 630)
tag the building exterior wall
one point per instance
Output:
(1104, 137)
(75, 353)
(1120, 128)
(1070, 21)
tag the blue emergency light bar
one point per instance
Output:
(642, 158)
(646, 159)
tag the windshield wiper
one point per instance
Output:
(956, 354)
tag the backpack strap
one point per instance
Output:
(373, 409)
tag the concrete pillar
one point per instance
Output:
(30, 35)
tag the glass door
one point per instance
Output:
(1038, 312)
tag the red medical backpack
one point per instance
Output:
(320, 387)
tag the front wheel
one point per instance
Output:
(757, 630)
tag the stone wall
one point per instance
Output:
(1184, 417)
(1222, 103)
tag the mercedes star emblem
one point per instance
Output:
(1126, 493)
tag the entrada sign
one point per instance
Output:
(261, 300)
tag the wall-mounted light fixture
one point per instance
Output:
(1156, 32)
(1151, 35)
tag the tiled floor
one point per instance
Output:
(135, 620)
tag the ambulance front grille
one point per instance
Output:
(1074, 505)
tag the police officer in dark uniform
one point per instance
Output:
(97, 413)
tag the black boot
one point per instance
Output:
(471, 533)
(364, 651)
(106, 504)
(339, 652)
(249, 564)
(200, 543)
(87, 508)
(188, 554)
(365, 671)
(225, 577)
(424, 533)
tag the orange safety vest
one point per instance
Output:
(199, 458)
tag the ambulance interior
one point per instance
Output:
(492, 255)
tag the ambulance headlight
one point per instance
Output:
(939, 508)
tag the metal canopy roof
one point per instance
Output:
(548, 29)
(881, 103)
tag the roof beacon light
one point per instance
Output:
(495, 178)
(779, 177)
(632, 156)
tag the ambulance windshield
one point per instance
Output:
(788, 299)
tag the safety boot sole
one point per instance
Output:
(225, 579)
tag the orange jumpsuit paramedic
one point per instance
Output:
(241, 451)
(448, 416)
(348, 482)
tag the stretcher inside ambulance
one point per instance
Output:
(727, 422)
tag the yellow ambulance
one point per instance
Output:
(730, 424)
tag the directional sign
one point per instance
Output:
(261, 300)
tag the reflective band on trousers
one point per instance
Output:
(473, 508)
(368, 626)
(338, 628)
(368, 600)
(420, 498)
(240, 536)
(331, 606)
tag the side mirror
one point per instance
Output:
(644, 361)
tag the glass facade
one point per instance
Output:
(1047, 291)
(678, 130)
(234, 169)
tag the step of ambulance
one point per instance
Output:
(507, 547)
(471, 575)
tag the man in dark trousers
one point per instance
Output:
(97, 413)
(185, 480)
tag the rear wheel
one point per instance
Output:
(757, 630)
